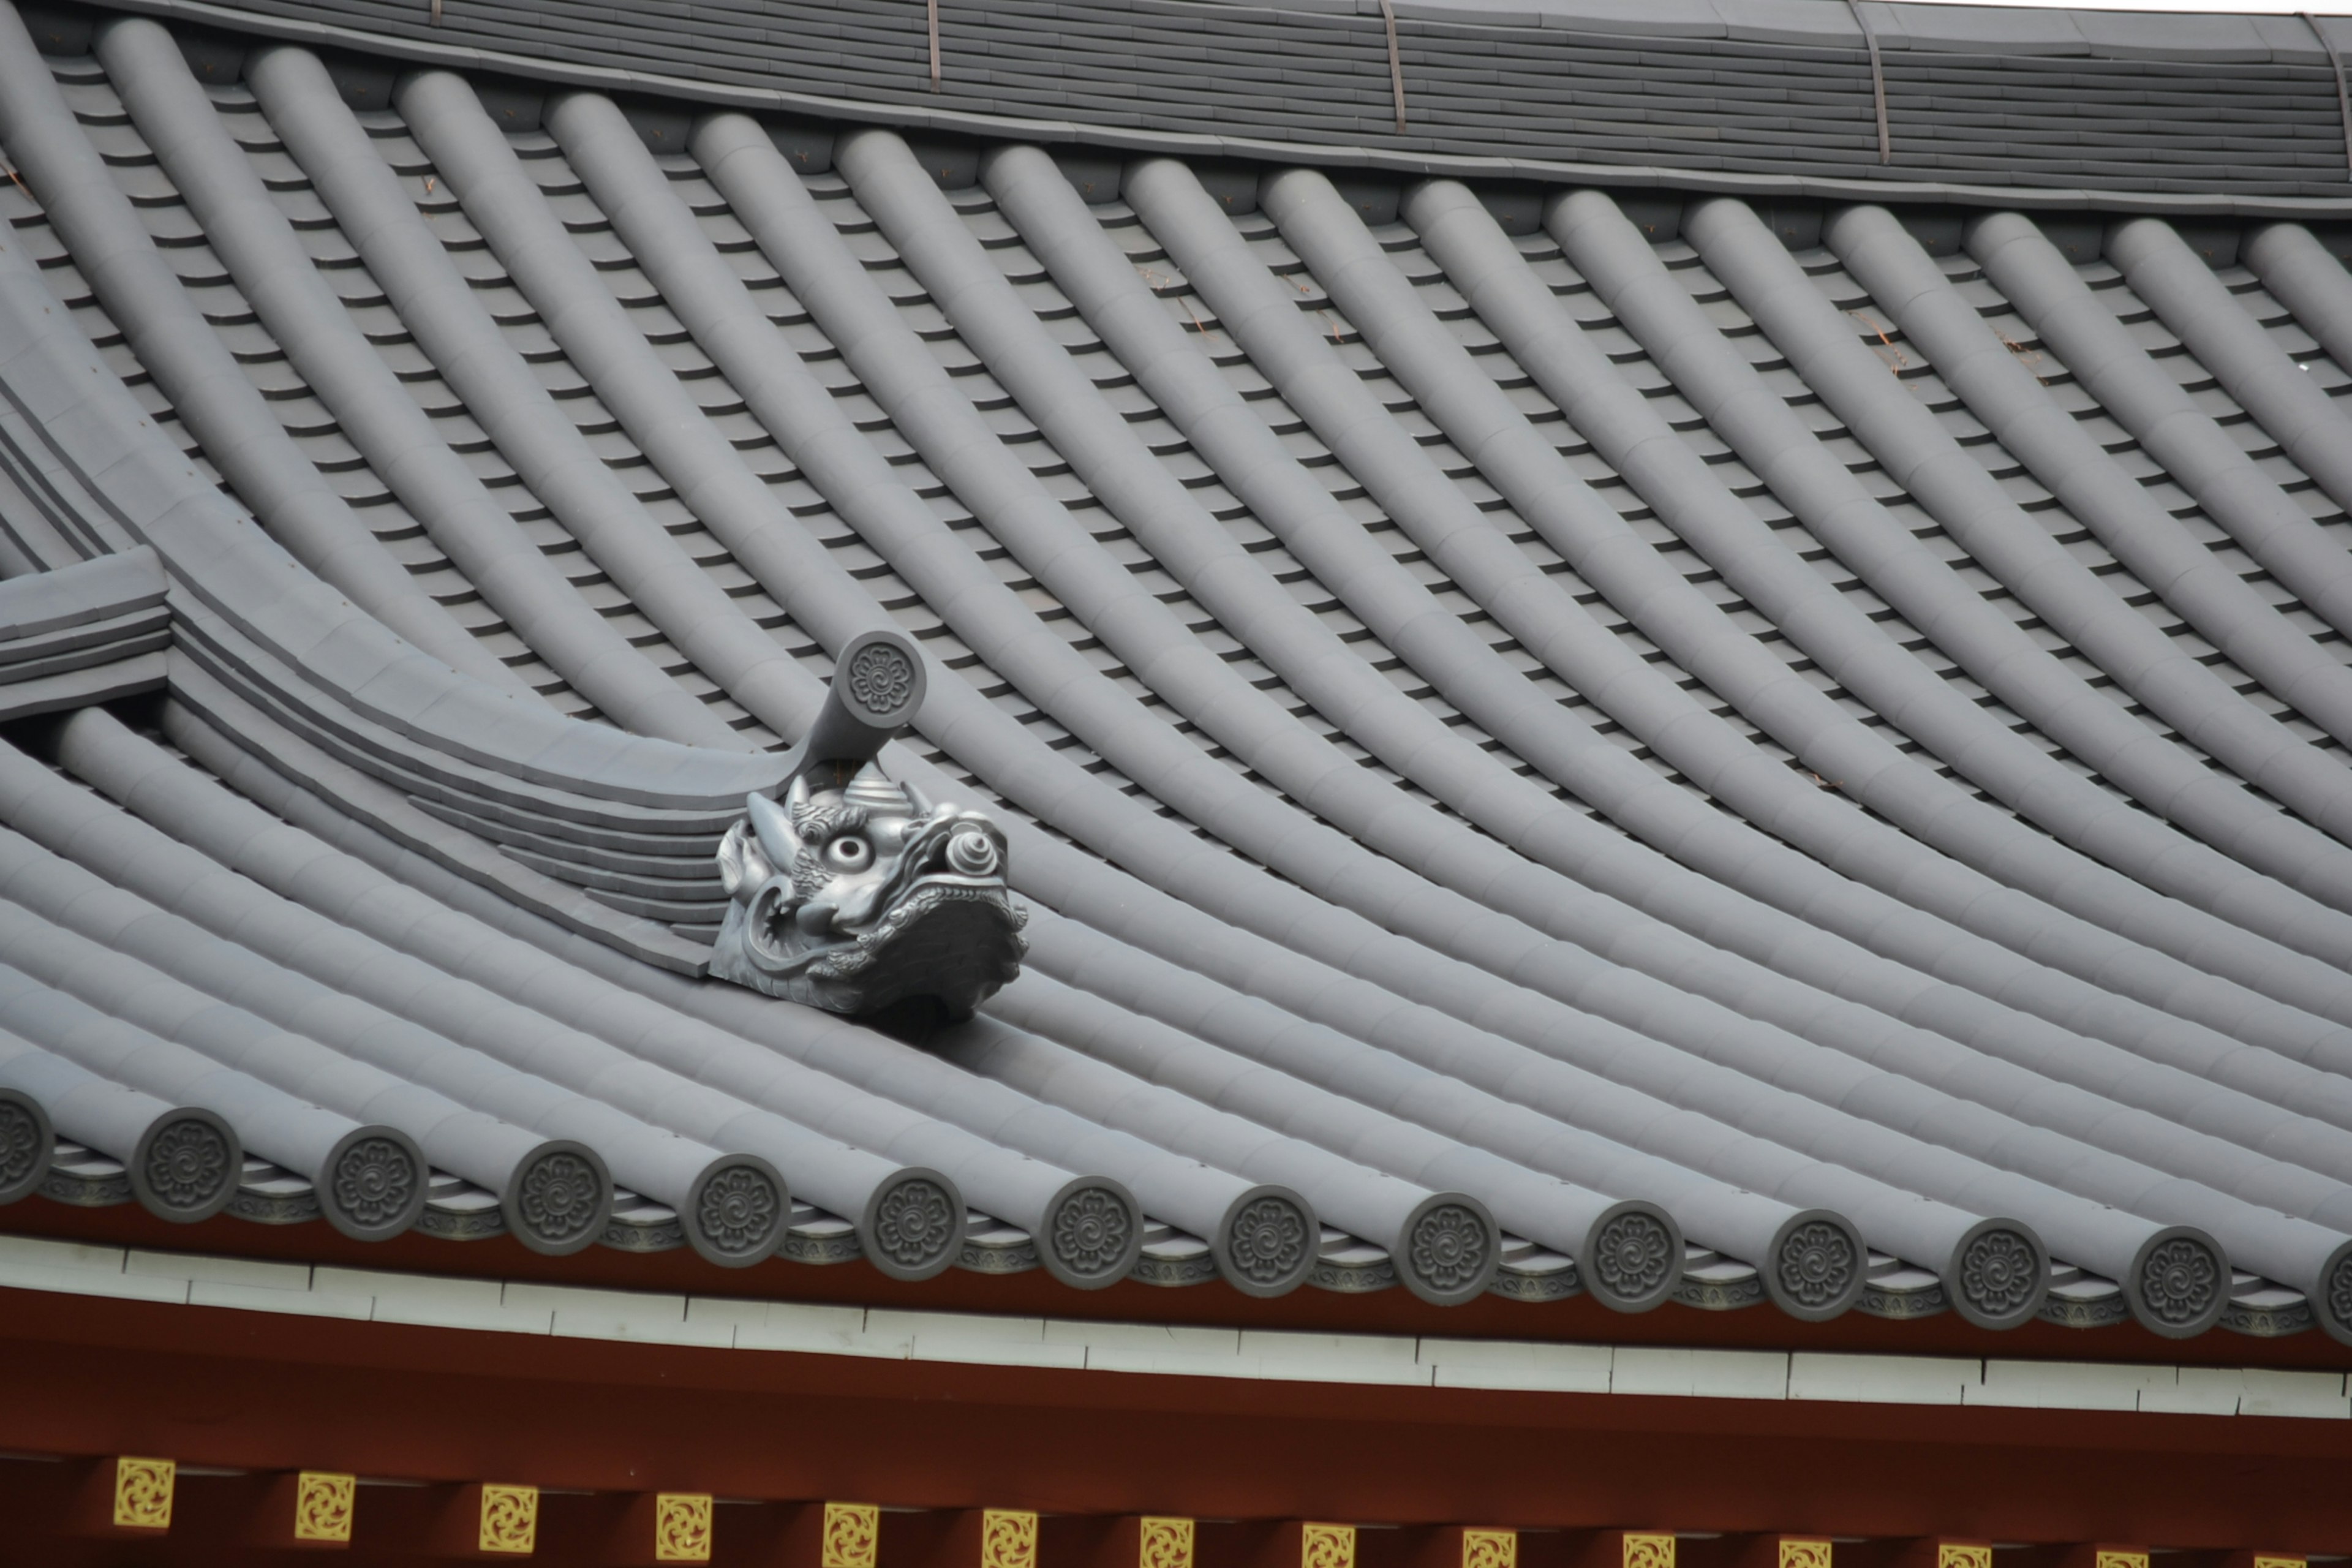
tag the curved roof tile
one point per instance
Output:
(1673, 748)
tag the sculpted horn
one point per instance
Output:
(774, 827)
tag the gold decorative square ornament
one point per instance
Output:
(1952, 1555)
(1798, 1553)
(143, 1493)
(1327, 1546)
(682, 1527)
(509, 1518)
(1649, 1550)
(2107, 1558)
(852, 1535)
(2272, 1560)
(1490, 1549)
(324, 1503)
(1008, 1539)
(1164, 1542)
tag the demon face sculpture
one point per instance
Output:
(855, 898)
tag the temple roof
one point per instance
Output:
(1555, 739)
(2041, 107)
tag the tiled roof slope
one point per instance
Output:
(1638, 747)
(1794, 96)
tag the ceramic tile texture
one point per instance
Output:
(1693, 750)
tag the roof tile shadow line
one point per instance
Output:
(44, 1098)
(1877, 81)
(996, 123)
(1746, 1224)
(1199, 1199)
(2263, 379)
(1443, 1237)
(186, 1173)
(2343, 89)
(710, 474)
(555, 461)
(73, 993)
(741, 1012)
(51, 531)
(579, 140)
(729, 175)
(1109, 1050)
(214, 668)
(1049, 249)
(2309, 851)
(588, 125)
(480, 938)
(132, 485)
(2287, 258)
(1167, 995)
(2157, 548)
(2146, 400)
(144, 296)
(1195, 266)
(980, 307)
(1382, 307)
(1556, 1212)
(1203, 1197)
(1726, 535)
(2020, 553)
(96, 922)
(753, 518)
(374, 412)
(359, 829)
(1673, 479)
(353, 971)
(1187, 1193)
(1659, 312)
(71, 596)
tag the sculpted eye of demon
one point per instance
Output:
(852, 898)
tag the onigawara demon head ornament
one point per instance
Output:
(854, 893)
(853, 898)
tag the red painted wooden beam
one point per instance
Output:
(263, 1391)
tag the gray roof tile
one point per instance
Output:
(1827, 805)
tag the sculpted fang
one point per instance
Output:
(853, 892)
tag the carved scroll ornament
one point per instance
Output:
(143, 1493)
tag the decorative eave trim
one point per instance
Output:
(1011, 128)
(490, 1306)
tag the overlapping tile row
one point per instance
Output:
(1701, 91)
(1671, 750)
